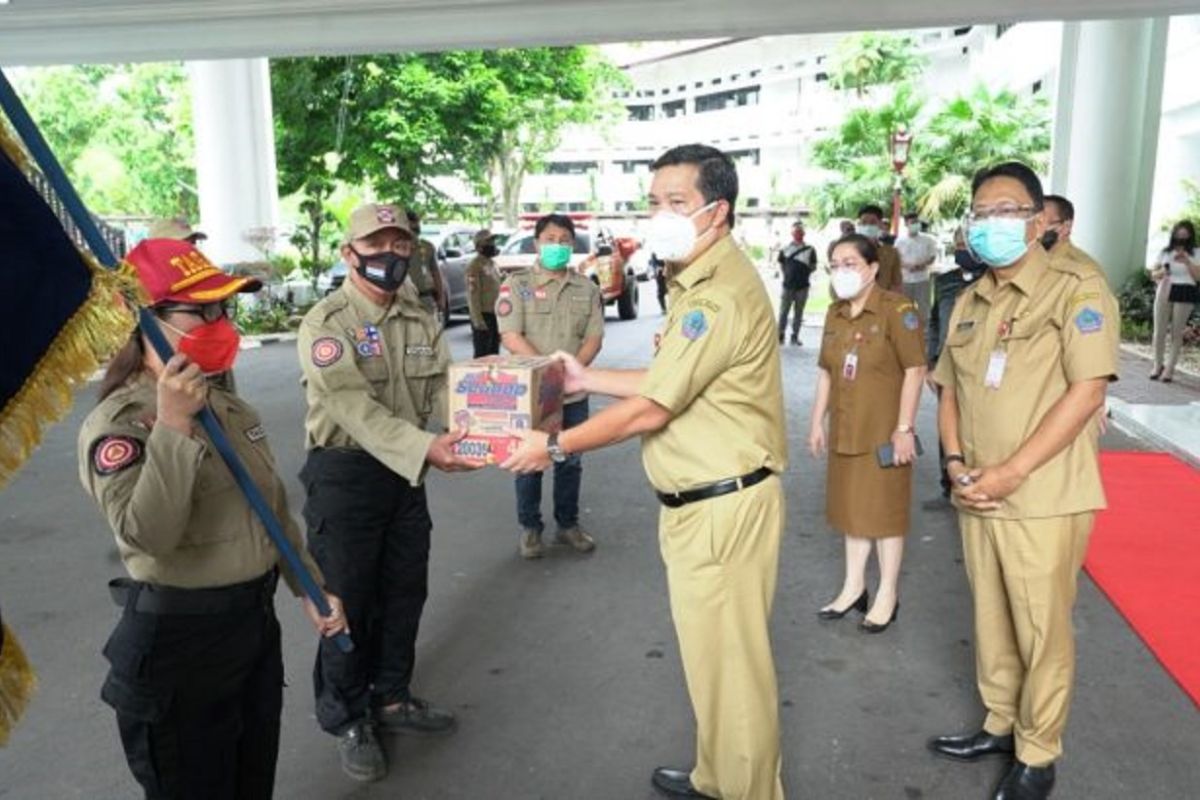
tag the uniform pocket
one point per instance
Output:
(138, 701)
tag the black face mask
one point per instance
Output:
(489, 250)
(1049, 239)
(1181, 242)
(384, 270)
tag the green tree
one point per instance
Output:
(971, 131)
(872, 59)
(122, 132)
(396, 122)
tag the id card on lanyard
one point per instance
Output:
(998, 362)
(850, 363)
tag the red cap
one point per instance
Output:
(174, 270)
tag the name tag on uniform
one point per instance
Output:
(421, 350)
(850, 366)
(256, 434)
(995, 371)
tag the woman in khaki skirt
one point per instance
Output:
(872, 365)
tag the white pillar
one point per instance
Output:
(235, 156)
(1106, 135)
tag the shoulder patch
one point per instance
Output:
(503, 306)
(694, 325)
(910, 320)
(1089, 320)
(112, 454)
(326, 350)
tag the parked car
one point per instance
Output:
(594, 257)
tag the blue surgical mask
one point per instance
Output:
(870, 231)
(998, 241)
(554, 256)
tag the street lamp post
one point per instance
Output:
(901, 143)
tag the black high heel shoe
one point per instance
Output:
(867, 626)
(1156, 374)
(859, 605)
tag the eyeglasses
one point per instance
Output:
(209, 312)
(1002, 211)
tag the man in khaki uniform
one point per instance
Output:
(542, 311)
(870, 225)
(374, 363)
(1060, 223)
(483, 290)
(715, 377)
(426, 275)
(1031, 349)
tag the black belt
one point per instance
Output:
(148, 598)
(677, 499)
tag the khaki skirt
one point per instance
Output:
(863, 499)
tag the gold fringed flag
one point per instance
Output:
(17, 682)
(61, 313)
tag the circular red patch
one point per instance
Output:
(326, 351)
(503, 308)
(115, 453)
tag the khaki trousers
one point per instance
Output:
(722, 559)
(1170, 322)
(1023, 577)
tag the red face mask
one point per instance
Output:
(213, 346)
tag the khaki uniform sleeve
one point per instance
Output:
(907, 334)
(475, 293)
(944, 374)
(825, 358)
(692, 353)
(142, 482)
(890, 276)
(441, 391)
(331, 373)
(1090, 330)
(595, 322)
(510, 307)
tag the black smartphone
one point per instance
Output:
(887, 457)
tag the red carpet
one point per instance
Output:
(1145, 556)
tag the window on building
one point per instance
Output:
(735, 76)
(962, 31)
(728, 99)
(682, 87)
(632, 166)
(754, 73)
(1004, 28)
(676, 108)
(649, 93)
(625, 205)
(571, 167)
(746, 158)
(716, 81)
(640, 113)
(1037, 87)
(751, 202)
(574, 207)
(821, 76)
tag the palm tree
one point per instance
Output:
(871, 59)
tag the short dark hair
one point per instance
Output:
(1017, 171)
(558, 221)
(911, 216)
(1187, 225)
(412, 216)
(718, 178)
(871, 208)
(865, 247)
(1066, 209)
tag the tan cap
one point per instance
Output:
(175, 228)
(372, 217)
(483, 237)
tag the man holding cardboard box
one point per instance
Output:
(375, 366)
(710, 411)
(542, 311)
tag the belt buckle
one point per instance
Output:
(739, 481)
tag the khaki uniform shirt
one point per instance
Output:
(551, 313)
(483, 289)
(179, 517)
(373, 377)
(716, 369)
(886, 339)
(1057, 324)
(891, 276)
(1078, 255)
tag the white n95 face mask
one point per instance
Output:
(847, 283)
(672, 236)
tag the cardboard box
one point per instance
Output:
(490, 395)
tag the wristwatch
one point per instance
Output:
(904, 429)
(951, 458)
(556, 452)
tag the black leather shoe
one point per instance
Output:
(866, 626)
(972, 746)
(1024, 782)
(676, 783)
(859, 605)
